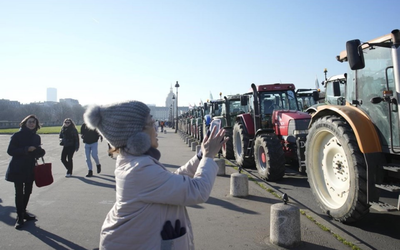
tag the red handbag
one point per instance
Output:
(43, 174)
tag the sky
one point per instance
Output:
(102, 52)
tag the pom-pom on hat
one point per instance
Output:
(122, 125)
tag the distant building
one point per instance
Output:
(169, 101)
(6, 102)
(51, 95)
(69, 101)
(165, 113)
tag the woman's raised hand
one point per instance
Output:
(212, 143)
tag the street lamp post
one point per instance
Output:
(173, 107)
(325, 72)
(176, 86)
(170, 115)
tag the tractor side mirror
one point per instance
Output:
(315, 96)
(243, 100)
(355, 54)
(336, 88)
(215, 106)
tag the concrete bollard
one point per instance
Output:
(187, 140)
(221, 166)
(194, 144)
(239, 185)
(190, 142)
(285, 225)
(198, 148)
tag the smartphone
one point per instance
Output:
(214, 123)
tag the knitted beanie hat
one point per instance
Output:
(122, 125)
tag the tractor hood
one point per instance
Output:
(291, 114)
(289, 122)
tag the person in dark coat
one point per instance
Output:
(90, 138)
(69, 139)
(24, 148)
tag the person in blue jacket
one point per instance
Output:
(24, 148)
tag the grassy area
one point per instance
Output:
(42, 130)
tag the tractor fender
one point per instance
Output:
(363, 128)
(247, 121)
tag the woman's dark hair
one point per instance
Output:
(69, 120)
(25, 120)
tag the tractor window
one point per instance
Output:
(223, 110)
(236, 108)
(371, 82)
(280, 100)
(334, 92)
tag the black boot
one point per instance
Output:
(90, 173)
(98, 169)
(28, 216)
(20, 221)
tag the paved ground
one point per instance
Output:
(71, 211)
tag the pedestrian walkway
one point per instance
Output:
(70, 212)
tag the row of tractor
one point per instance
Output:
(345, 138)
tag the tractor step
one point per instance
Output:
(393, 168)
(390, 188)
(382, 207)
(250, 144)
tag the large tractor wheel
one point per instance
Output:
(336, 169)
(240, 142)
(269, 157)
(227, 148)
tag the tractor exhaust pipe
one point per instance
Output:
(396, 37)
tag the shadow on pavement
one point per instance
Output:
(52, 240)
(5, 213)
(226, 205)
(92, 181)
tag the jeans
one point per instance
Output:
(91, 149)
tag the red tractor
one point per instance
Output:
(273, 132)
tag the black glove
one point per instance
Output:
(38, 152)
(169, 233)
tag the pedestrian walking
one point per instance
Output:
(156, 126)
(90, 138)
(24, 148)
(162, 126)
(69, 139)
(150, 200)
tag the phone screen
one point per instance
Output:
(215, 123)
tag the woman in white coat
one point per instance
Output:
(150, 212)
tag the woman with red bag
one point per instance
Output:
(25, 149)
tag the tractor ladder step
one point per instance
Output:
(383, 207)
(393, 168)
(250, 144)
(390, 188)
